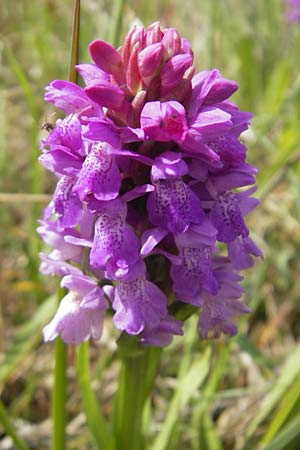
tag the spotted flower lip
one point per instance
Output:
(138, 302)
(151, 188)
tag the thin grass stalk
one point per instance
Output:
(116, 26)
(10, 429)
(59, 392)
(73, 75)
(59, 412)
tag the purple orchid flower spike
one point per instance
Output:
(151, 188)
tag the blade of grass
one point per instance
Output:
(189, 380)
(290, 371)
(10, 429)
(185, 389)
(97, 424)
(206, 436)
(290, 432)
(26, 338)
(290, 401)
(73, 74)
(116, 26)
(288, 144)
(208, 439)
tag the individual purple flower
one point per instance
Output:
(194, 272)
(80, 313)
(219, 311)
(115, 247)
(226, 216)
(137, 301)
(71, 98)
(99, 174)
(162, 334)
(164, 121)
(173, 204)
(241, 252)
(66, 203)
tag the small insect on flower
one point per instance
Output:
(47, 124)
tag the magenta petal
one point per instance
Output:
(55, 264)
(168, 165)
(211, 121)
(172, 72)
(61, 161)
(107, 58)
(67, 134)
(149, 59)
(128, 134)
(106, 94)
(67, 96)
(195, 147)
(137, 192)
(171, 42)
(198, 235)
(221, 90)
(151, 238)
(91, 74)
(194, 274)
(104, 55)
(102, 131)
(78, 241)
(164, 121)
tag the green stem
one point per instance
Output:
(138, 370)
(59, 396)
(9, 428)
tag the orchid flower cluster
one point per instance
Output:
(146, 212)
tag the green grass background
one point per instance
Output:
(232, 394)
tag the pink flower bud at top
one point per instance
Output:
(149, 61)
(153, 33)
(171, 42)
(107, 58)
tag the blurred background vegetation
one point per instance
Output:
(232, 394)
